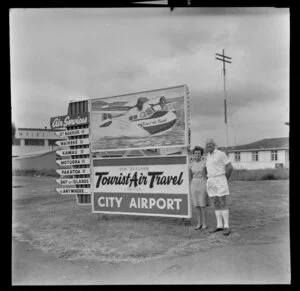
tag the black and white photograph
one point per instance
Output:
(150, 145)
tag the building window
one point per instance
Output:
(143, 114)
(17, 141)
(51, 142)
(34, 142)
(255, 156)
(237, 156)
(274, 156)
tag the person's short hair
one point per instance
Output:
(210, 141)
(197, 148)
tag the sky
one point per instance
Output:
(58, 55)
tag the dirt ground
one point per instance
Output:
(56, 242)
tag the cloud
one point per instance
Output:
(57, 54)
(211, 102)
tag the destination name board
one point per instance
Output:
(143, 204)
(72, 132)
(73, 142)
(68, 172)
(153, 186)
(69, 120)
(72, 162)
(73, 181)
(73, 152)
(142, 179)
(73, 190)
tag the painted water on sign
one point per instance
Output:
(139, 122)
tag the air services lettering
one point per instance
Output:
(68, 121)
(135, 180)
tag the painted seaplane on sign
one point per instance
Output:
(154, 116)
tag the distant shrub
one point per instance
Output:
(262, 174)
(34, 172)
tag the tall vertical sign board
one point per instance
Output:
(73, 157)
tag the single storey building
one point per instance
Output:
(262, 154)
(33, 140)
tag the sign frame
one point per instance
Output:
(186, 121)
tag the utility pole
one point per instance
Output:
(224, 59)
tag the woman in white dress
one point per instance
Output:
(198, 187)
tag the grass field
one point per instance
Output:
(261, 174)
(57, 225)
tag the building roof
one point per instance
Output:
(34, 154)
(39, 129)
(264, 144)
(130, 153)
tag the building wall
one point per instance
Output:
(264, 160)
(287, 159)
(45, 136)
(39, 162)
(36, 133)
(23, 150)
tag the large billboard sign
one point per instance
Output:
(155, 186)
(97, 159)
(149, 119)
